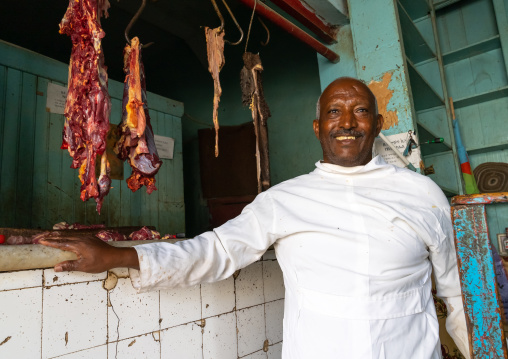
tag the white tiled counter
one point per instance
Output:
(44, 314)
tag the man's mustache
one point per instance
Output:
(346, 133)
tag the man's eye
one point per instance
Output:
(333, 110)
(362, 110)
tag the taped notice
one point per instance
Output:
(400, 142)
(165, 146)
(55, 99)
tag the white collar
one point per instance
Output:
(377, 164)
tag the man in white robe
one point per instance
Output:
(357, 240)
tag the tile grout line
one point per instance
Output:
(236, 315)
(107, 321)
(42, 308)
(160, 331)
(202, 328)
(264, 301)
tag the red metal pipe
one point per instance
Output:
(307, 17)
(265, 11)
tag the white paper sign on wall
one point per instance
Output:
(55, 99)
(165, 146)
(400, 142)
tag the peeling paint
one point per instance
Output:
(383, 95)
(66, 338)
(265, 346)
(478, 282)
(132, 343)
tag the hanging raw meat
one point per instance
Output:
(88, 105)
(215, 53)
(136, 141)
(253, 96)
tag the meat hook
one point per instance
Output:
(222, 21)
(267, 32)
(133, 20)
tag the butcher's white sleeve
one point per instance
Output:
(211, 256)
(446, 274)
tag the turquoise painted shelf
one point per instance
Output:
(472, 50)
(424, 97)
(442, 4)
(482, 97)
(425, 134)
(490, 148)
(416, 9)
(415, 46)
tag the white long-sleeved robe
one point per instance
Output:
(356, 246)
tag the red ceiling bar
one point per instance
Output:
(265, 11)
(307, 17)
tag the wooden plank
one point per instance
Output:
(415, 46)
(482, 97)
(481, 198)
(415, 8)
(56, 157)
(502, 24)
(25, 152)
(427, 98)
(178, 211)
(478, 282)
(164, 177)
(477, 48)
(115, 205)
(3, 91)
(40, 166)
(125, 197)
(153, 198)
(21, 59)
(10, 145)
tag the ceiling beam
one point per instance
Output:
(309, 18)
(263, 10)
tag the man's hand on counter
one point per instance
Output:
(94, 255)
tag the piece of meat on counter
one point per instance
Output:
(65, 225)
(111, 236)
(28, 239)
(216, 60)
(88, 105)
(144, 234)
(137, 143)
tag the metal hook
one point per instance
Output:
(218, 14)
(133, 20)
(222, 21)
(236, 23)
(267, 32)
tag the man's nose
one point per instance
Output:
(348, 120)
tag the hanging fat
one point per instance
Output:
(216, 60)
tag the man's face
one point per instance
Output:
(348, 123)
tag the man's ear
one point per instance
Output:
(315, 125)
(380, 122)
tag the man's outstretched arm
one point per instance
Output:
(94, 255)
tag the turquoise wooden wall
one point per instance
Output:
(474, 40)
(37, 186)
